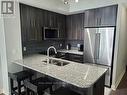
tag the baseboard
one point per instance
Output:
(1, 91)
(114, 87)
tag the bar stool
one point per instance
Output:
(64, 91)
(38, 86)
(19, 77)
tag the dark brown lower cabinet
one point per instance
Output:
(71, 57)
(74, 57)
(96, 89)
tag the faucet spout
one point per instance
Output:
(52, 47)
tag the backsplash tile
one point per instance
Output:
(37, 47)
(74, 43)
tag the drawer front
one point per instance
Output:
(76, 58)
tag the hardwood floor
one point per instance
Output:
(122, 88)
(1, 94)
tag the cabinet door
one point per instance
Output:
(31, 23)
(24, 22)
(54, 20)
(41, 19)
(46, 18)
(80, 26)
(75, 58)
(61, 21)
(39, 23)
(91, 19)
(32, 33)
(69, 27)
(28, 27)
(108, 16)
(105, 16)
(75, 25)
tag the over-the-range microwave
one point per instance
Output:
(50, 33)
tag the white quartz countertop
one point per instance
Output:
(71, 51)
(77, 74)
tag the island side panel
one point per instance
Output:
(98, 88)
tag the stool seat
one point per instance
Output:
(64, 91)
(38, 85)
(23, 75)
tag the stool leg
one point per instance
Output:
(40, 93)
(51, 90)
(30, 78)
(26, 91)
(19, 87)
(11, 81)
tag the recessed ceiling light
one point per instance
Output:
(68, 1)
(65, 2)
(76, 1)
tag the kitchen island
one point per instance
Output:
(83, 78)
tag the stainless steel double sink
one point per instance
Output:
(56, 62)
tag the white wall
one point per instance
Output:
(120, 59)
(13, 40)
(3, 57)
(1, 81)
(53, 5)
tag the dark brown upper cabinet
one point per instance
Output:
(69, 27)
(74, 26)
(109, 16)
(90, 19)
(31, 26)
(50, 19)
(100, 17)
(33, 20)
(61, 24)
(24, 18)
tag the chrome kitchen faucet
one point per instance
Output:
(51, 47)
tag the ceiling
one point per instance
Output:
(60, 7)
(53, 5)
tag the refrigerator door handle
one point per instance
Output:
(97, 46)
(99, 36)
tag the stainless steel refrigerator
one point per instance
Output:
(98, 48)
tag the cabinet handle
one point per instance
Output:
(97, 22)
(100, 22)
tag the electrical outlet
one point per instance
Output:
(61, 45)
(24, 48)
(78, 45)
